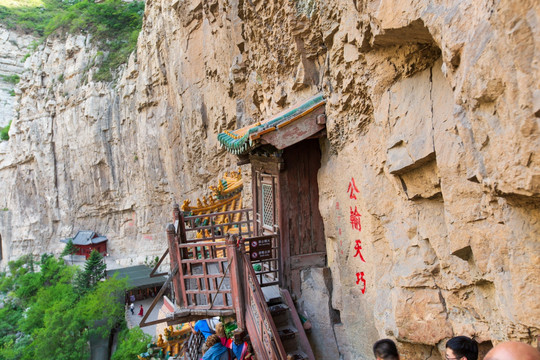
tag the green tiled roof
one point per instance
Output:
(138, 276)
(240, 141)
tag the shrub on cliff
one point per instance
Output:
(30, 16)
(4, 132)
(12, 79)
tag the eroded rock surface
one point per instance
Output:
(13, 49)
(432, 108)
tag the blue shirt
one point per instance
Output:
(203, 327)
(238, 349)
(217, 352)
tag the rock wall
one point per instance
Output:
(74, 160)
(13, 48)
(432, 110)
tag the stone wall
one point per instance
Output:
(432, 108)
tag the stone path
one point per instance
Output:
(134, 320)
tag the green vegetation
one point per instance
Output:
(151, 263)
(131, 343)
(12, 79)
(4, 132)
(114, 24)
(94, 271)
(44, 318)
(70, 249)
(30, 16)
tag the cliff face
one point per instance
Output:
(74, 159)
(432, 110)
(13, 47)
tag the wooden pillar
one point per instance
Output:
(236, 271)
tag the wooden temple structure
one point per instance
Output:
(229, 260)
(85, 241)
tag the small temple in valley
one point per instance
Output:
(86, 241)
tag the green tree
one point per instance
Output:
(94, 271)
(105, 304)
(9, 316)
(113, 24)
(131, 342)
(60, 332)
(36, 295)
(51, 320)
(69, 249)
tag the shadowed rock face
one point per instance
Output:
(432, 108)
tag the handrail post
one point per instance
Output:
(237, 279)
(176, 212)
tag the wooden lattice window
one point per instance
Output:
(268, 205)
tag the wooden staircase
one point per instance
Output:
(289, 327)
(268, 312)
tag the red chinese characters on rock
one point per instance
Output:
(356, 224)
(355, 219)
(360, 278)
(352, 190)
(358, 247)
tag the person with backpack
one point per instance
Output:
(240, 348)
(203, 327)
(216, 351)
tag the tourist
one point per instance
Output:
(385, 349)
(239, 347)
(141, 311)
(216, 351)
(220, 331)
(132, 308)
(513, 350)
(202, 326)
(461, 348)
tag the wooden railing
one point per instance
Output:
(197, 247)
(215, 274)
(217, 226)
(258, 320)
(204, 276)
(264, 254)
